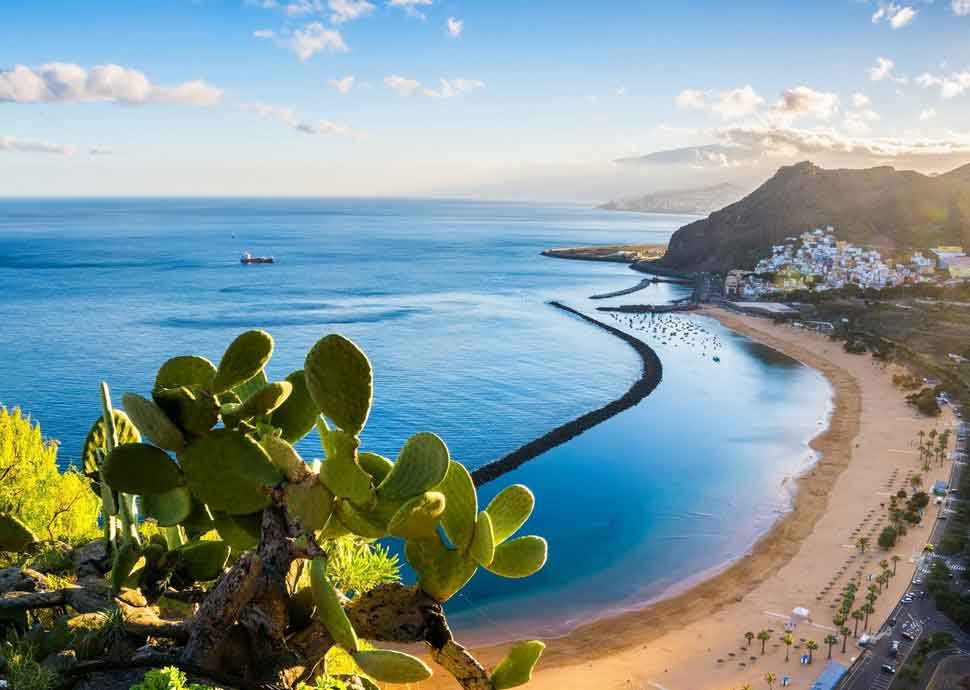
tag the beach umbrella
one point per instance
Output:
(800, 612)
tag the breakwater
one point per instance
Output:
(650, 376)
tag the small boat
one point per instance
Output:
(717, 359)
(248, 258)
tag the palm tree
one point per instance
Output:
(770, 679)
(811, 646)
(746, 686)
(844, 631)
(788, 640)
(862, 543)
(916, 481)
(884, 564)
(830, 640)
(748, 636)
(764, 636)
(867, 608)
(895, 559)
(857, 616)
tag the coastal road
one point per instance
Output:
(916, 620)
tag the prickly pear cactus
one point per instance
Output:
(241, 509)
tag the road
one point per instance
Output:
(919, 619)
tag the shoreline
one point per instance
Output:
(651, 374)
(729, 583)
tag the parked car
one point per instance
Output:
(908, 635)
(891, 622)
(894, 648)
(886, 668)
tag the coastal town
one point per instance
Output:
(817, 260)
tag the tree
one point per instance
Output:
(867, 608)
(830, 641)
(888, 536)
(916, 481)
(862, 543)
(857, 616)
(811, 646)
(748, 636)
(764, 636)
(884, 564)
(787, 639)
(845, 632)
(895, 559)
(770, 679)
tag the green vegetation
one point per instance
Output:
(169, 678)
(52, 505)
(203, 499)
(911, 672)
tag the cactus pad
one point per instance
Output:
(139, 468)
(244, 358)
(125, 559)
(295, 417)
(329, 609)
(202, 560)
(359, 522)
(461, 505)
(340, 381)
(15, 536)
(483, 545)
(265, 399)
(97, 440)
(152, 422)
(168, 509)
(388, 666)
(284, 456)
(228, 471)
(421, 465)
(187, 370)
(310, 502)
(419, 517)
(341, 472)
(193, 408)
(509, 510)
(441, 571)
(520, 557)
(516, 668)
(377, 466)
(241, 532)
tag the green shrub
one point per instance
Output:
(887, 538)
(53, 504)
(169, 678)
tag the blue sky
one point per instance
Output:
(452, 97)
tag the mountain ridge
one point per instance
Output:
(880, 207)
(689, 200)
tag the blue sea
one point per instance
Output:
(449, 299)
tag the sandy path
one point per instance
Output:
(804, 560)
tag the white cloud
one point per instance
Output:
(621, 91)
(859, 121)
(860, 100)
(344, 85)
(961, 8)
(348, 10)
(802, 100)
(306, 42)
(288, 117)
(883, 71)
(299, 8)
(728, 104)
(456, 26)
(264, 33)
(950, 85)
(898, 16)
(448, 87)
(411, 6)
(746, 146)
(34, 146)
(60, 82)
(927, 114)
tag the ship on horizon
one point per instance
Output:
(248, 258)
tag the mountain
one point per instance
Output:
(697, 200)
(888, 209)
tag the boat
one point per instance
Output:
(248, 258)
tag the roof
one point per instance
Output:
(829, 677)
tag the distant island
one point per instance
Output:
(620, 253)
(701, 200)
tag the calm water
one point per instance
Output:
(448, 299)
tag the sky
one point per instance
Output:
(513, 99)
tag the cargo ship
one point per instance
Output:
(248, 258)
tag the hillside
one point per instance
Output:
(879, 207)
(696, 200)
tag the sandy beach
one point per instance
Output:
(696, 639)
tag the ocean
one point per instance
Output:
(449, 299)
